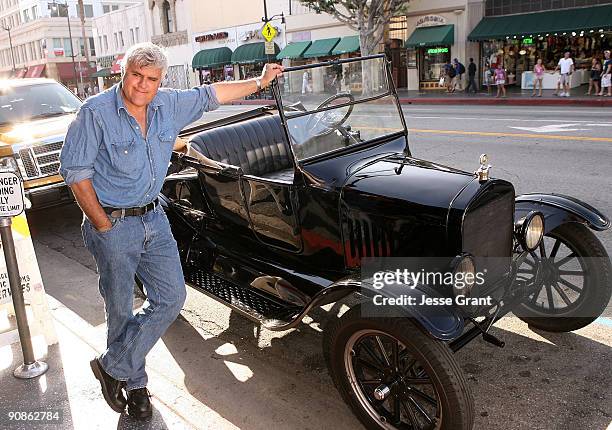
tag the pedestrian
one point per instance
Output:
(566, 68)
(606, 75)
(488, 77)
(595, 77)
(449, 77)
(459, 71)
(96, 89)
(471, 77)
(114, 158)
(500, 80)
(306, 83)
(538, 77)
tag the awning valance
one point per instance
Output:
(66, 70)
(347, 45)
(102, 73)
(293, 50)
(35, 71)
(432, 36)
(542, 23)
(321, 48)
(214, 57)
(251, 53)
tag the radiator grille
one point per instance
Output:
(487, 230)
(41, 161)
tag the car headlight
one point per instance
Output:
(464, 274)
(9, 164)
(530, 230)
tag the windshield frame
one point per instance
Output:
(391, 91)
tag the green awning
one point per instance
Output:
(542, 23)
(293, 50)
(208, 58)
(102, 73)
(347, 45)
(431, 36)
(321, 48)
(253, 53)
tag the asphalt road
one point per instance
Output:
(538, 381)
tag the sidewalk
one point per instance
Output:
(516, 97)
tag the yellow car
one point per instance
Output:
(34, 117)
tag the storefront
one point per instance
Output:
(432, 45)
(516, 42)
(213, 65)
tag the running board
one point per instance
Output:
(271, 312)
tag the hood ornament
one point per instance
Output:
(483, 171)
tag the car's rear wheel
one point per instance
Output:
(576, 280)
(394, 376)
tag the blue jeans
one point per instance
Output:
(143, 246)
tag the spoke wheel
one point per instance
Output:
(575, 280)
(396, 377)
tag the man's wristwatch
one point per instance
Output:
(258, 82)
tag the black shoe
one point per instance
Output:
(111, 388)
(138, 404)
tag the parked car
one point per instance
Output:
(34, 117)
(305, 197)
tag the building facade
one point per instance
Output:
(113, 33)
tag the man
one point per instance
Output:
(114, 158)
(606, 75)
(459, 71)
(471, 77)
(566, 66)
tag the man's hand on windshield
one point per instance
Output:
(270, 72)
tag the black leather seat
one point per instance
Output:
(257, 145)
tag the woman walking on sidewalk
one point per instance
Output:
(606, 76)
(538, 71)
(500, 81)
(595, 76)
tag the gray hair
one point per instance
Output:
(143, 55)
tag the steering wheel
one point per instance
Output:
(327, 120)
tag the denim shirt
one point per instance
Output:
(104, 143)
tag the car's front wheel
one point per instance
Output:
(576, 280)
(394, 376)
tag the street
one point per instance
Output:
(239, 376)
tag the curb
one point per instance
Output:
(600, 102)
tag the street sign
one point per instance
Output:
(268, 32)
(269, 46)
(11, 194)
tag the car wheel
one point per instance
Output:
(576, 281)
(394, 376)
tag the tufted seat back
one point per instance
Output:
(257, 145)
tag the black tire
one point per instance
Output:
(579, 308)
(431, 360)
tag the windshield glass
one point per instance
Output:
(338, 105)
(23, 103)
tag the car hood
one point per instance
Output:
(406, 183)
(35, 132)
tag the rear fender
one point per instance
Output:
(559, 209)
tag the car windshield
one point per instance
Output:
(26, 102)
(337, 105)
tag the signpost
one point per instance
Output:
(12, 204)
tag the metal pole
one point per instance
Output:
(11, 46)
(30, 368)
(76, 82)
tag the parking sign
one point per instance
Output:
(11, 194)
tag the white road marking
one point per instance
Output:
(554, 128)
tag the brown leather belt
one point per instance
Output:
(122, 212)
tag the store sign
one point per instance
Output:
(437, 50)
(528, 41)
(106, 61)
(58, 52)
(269, 48)
(430, 21)
(212, 36)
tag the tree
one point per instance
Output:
(368, 17)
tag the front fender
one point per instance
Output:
(559, 209)
(441, 322)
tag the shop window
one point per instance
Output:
(88, 9)
(92, 48)
(432, 61)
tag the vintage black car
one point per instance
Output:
(304, 194)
